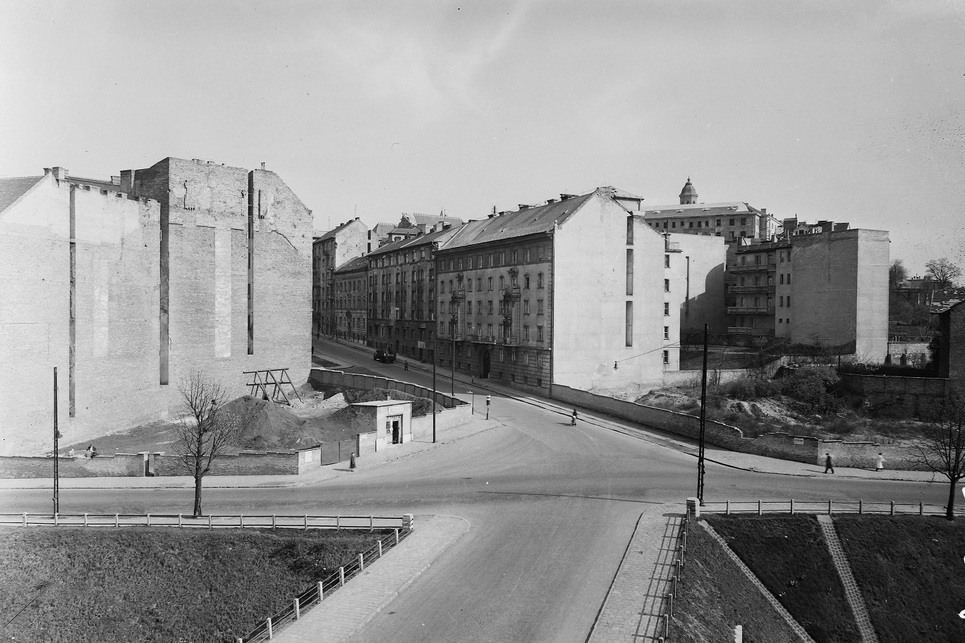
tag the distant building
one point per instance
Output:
(951, 350)
(412, 225)
(729, 220)
(816, 284)
(130, 285)
(577, 292)
(351, 300)
(336, 247)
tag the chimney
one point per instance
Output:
(60, 173)
(263, 165)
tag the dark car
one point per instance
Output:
(384, 356)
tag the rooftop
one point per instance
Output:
(13, 188)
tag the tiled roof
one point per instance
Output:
(945, 306)
(331, 233)
(533, 220)
(413, 242)
(430, 219)
(13, 188)
(358, 263)
(700, 209)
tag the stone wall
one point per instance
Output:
(914, 396)
(243, 464)
(103, 466)
(325, 377)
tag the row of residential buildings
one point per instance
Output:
(594, 291)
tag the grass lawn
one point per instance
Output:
(158, 584)
(909, 569)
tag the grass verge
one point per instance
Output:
(158, 584)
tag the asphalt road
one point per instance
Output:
(552, 508)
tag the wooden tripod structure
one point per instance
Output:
(270, 384)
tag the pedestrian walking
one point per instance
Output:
(406, 364)
(573, 418)
(828, 465)
(351, 462)
(880, 462)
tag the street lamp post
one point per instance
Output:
(455, 322)
(703, 422)
(432, 335)
(56, 451)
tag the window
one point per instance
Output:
(629, 231)
(515, 256)
(629, 324)
(460, 263)
(666, 357)
(630, 271)
(490, 306)
(539, 333)
(490, 260)
(539, 362)
(699, 224)
(666, 261)
(782, 278)
(525, 333)
(666, 285)
(743, 220)
(788, 301)
(666, 308)
(789, 278)
(502, 258)
(490, 283)
(673, 224)
(690, 224)
(781, 256)
(468, 307)
(525, 359)
(479, 306)
(489, 329)
(469, 263)
(717, 222)
(526, 255)
(526, 282)
(730, 221)
(479, 284)
(469, 285)
(539, 280)
(780, 301)
(525, 306)
(450, 264)
(499, 354)
(502, 282)
(539, 306)
(666, 332)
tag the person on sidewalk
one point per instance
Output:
(828, 465)
(880, 462)
(573, 418)
(351, 462)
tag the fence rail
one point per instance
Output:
(206, 522)
(323, 588)
(761, 507)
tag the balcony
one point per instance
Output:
(750, 310)
(760, 289)
(750, 267)
(747, 330)
(509, 341)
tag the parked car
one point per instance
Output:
(384, 356)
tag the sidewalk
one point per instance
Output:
(352, 606)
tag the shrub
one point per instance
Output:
(812, 386)
(750, 388)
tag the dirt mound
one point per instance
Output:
(265, 425)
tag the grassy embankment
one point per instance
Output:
(158, 584)
(909, 570)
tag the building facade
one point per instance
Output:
(333, 249)
(573, 292)
(351, 300)
(182, 267)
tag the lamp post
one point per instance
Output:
(432, 336)
(703, 421)
(56, 450)
(455, 322)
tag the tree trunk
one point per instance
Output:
(950, 509)
(197, 495)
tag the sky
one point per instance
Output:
(849, 111)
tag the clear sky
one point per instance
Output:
(851, 111)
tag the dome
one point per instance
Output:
(688, 195)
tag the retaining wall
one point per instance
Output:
(324, 377)
(103, 466)
(422, 426)
(913, 395)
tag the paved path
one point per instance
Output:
(351, 607)
(637, 598)
(851, 590)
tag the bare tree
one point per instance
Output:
(943, 449)
(204, 434)
(943, 272)
(897, 273)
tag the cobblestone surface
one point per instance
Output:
(851, 590)
(634, 606)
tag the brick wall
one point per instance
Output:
(914, 395)
(109, 466)
(244, 464)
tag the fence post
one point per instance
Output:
(759, 508)
(371, 523)
(56, 522)
(792, 506)
(273, 521)
(306, 522)
(117, 520)
(321, 592)
(727, 509)
(860, 507)
(85, 520)
(241, 521)
(179, 521)
(25, 519)
(341, 577)
(380, 548)
(892, 507)
(148, 516)
(673, 586)
(921, 509)
(666, 625)
(670, 605)
(396, 535)
(338, 523)
(269, 627)
(210, 526)
(298, 610)
(361, 562)
(829, 506)
(408, 522)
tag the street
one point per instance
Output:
(551, 508)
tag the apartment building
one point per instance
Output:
(401, 295)
(351, 300)
(333, 249)
(575, 292)
(817, 284)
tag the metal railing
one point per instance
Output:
(830, 507)
(323, 588)
(370, 523)
(679, 564)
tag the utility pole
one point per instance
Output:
(56, 451)
(703, 422)
(433, 335)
